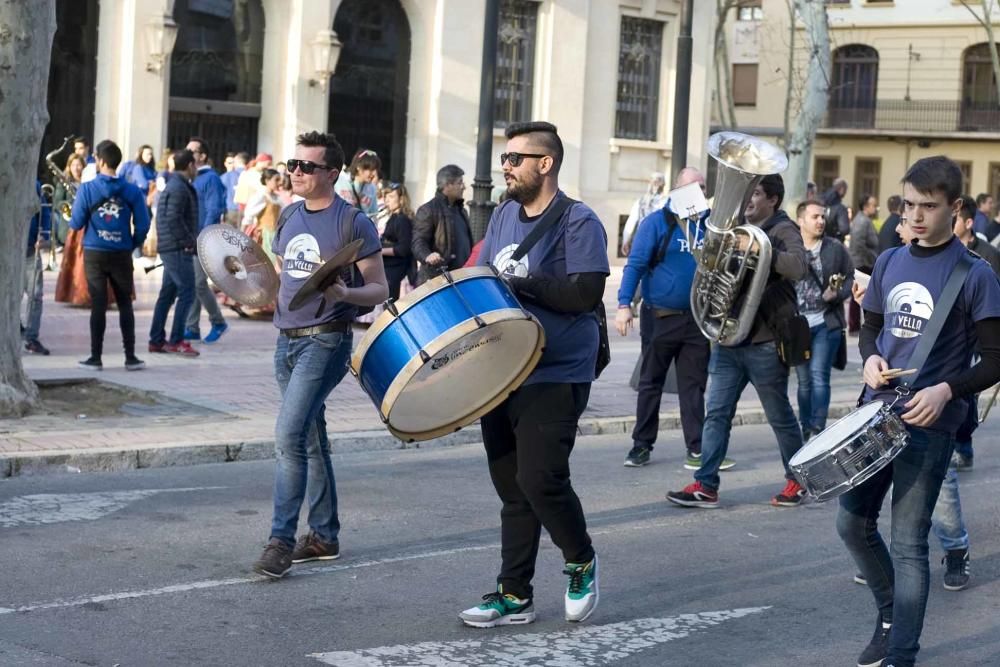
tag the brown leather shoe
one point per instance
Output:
(275, 561)
(310, 548)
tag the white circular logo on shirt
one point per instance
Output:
(504, 262)
(302, 256)
(908, 308)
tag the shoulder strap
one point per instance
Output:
(347, 217)
(661, 251)
(941, 311)
(551, 217)
(286, 214)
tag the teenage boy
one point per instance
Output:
(906, 283)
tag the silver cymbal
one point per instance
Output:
(237, 265)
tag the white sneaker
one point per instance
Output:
(581, 592)
(499, 609)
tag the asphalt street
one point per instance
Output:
(152, 567)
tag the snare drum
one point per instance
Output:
(850, 451)
(447, 353)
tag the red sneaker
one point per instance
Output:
(158, 348)
(182, 348)
(695, 495)
(790, 496)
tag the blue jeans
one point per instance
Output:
(814, 379)
(33, 292)
(947, 518)
(898, 575)
(307, 369)
(178, 284)
(729, 370)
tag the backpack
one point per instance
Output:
(353, 276)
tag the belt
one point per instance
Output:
(667, 312)
(340, 326)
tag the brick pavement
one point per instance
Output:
(233, 387)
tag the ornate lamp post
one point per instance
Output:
(481, 206)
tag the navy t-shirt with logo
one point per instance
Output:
(304, 242)
(576, 244)
(904, 288)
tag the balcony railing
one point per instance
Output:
(916, 116)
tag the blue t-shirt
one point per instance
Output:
(576, 244)
(304, 242)
(904, 288)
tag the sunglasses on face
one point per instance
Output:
(307, 166)
(516, 159)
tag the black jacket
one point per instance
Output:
(838, 224)
(177, 216)
(788, 264)
(835, 259)
(432, 233)
(398, 235)
(887, 236)
(987, 252)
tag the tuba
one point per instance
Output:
(59, 178)
(729, 282)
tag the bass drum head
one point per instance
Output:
(470, 371)
(837, 433)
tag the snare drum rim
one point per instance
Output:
(434, 348)
(411, 299)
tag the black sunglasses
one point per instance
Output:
(307, 166)
(516, 159)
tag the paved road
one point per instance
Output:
(150, 567)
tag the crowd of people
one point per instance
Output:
(835, 270)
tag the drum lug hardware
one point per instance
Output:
(390, 305)
(479, 322)
(447, 277)
(424, 357)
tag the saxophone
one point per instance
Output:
(59, 178)
(726, 273)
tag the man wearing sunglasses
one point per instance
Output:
(314, 344)
(529, 436)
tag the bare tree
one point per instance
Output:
(792, 29)
(723, 77)
(815, 98)
(986, 20)
(26, 31)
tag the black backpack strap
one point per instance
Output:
(286, 214)
(551, 217)
(661, 251)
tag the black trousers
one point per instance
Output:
(395, 274)
(675, 337)
(113, 267)
(528, 441)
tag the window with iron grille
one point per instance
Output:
(825, 172)
(638, 78)
(868, 176)
(515, 62)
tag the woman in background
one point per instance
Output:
(260, 217)
(356, 184)
(71, 285)
(396, 238)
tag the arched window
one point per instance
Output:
(979, 90)
(218, 57)
(855, 85)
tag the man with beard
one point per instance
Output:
(755, 360)
(530, 436)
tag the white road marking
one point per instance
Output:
(587, 646)
(46, 508)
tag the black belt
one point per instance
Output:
(667, 312)
(340, 326)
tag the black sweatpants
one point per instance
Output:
(101, 268)
(528, 439)
(674, 337)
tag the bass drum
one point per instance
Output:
(447, 353)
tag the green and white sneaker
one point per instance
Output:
(581, 592)
(499, 608)
(693, 462)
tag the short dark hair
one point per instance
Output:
(935, 174)
(183, 159)
(773, 186)
(800, 209)
(546, 134)
(863, 199)
(109, 152)
(365, 158)
(200, 142)
(969, 208)
(448, 174)
(243, 155)
(268, 174)
(333, 155)
(982, 197)
(895, 203)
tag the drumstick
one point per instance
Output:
(894, 373)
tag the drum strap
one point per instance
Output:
(941, 310)
(549, 219)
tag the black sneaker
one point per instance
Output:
(134, 363)
(638, 456)
(695, 495)
(878, 647)
(275, 561)
(91, 363)
(34, 347)
(956, 576)
(310, 547)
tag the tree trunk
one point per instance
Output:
(723, 78)
(791, 70)
(815, 100)
(986, 21)
(26, 31)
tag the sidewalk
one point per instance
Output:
(223, 404)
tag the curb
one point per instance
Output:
(117, 460)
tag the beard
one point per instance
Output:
(525, 191)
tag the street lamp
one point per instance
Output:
(161, 33)
(326, 52)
